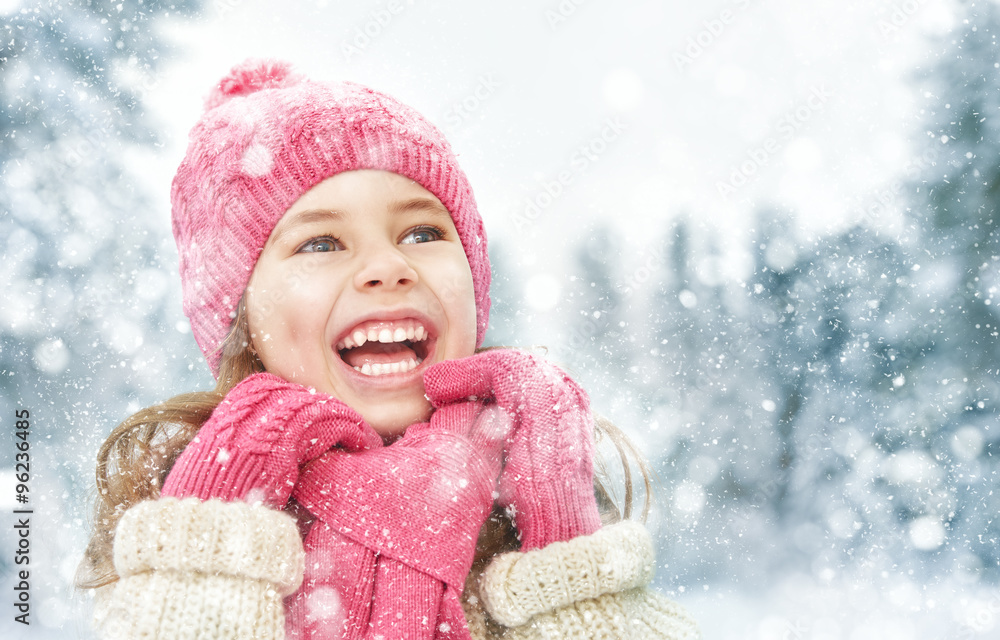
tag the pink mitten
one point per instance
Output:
(396, 529)
(253, 444)
(549, 472)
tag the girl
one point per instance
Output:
(362, 469)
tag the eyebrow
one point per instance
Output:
(398, 207)
(425, 205)
(302, 218)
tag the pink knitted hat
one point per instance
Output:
(268, 136)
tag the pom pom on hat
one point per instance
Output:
(251, 76)
(267, 136)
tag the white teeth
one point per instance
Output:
(385, 368)
(386, 335)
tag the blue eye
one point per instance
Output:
(421, 234)
(321, 244)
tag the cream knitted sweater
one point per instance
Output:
(216, 570)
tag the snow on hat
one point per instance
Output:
(267, 136)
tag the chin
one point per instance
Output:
(391, 422)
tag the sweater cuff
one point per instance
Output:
(213, 538)
(517, 586)
(637, 614)
(167, 605)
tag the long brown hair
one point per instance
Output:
(134, 461)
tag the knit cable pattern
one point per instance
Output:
(200, 570)
(637, 614)
(213, 537)
(517, 586)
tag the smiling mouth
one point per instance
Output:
(379, 348)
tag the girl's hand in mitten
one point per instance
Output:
(548, 476)
(253, 444)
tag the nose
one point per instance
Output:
(384, 267)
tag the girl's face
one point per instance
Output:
(361, 286)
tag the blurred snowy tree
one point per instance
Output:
(821, 311)
(838, 413)
(83, 275)
(948, 361)
(598, 308)
(89, 323)
(783, 416)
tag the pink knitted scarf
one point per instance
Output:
(387, 516)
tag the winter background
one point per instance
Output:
(762, 233)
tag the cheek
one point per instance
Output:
(266, 325)
(280, 315)
(459, 299)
